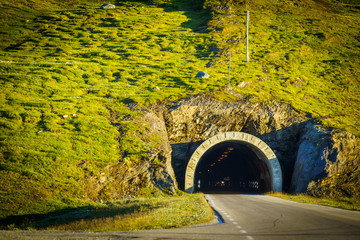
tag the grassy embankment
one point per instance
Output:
(304, 53)
(123, 215)
(344, 203)
(67, 70)
(66, 67)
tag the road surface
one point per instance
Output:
(248, 217)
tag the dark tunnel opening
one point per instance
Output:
(232, 166)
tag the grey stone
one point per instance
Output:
(244, 84)
(202, 74)
(108, 6)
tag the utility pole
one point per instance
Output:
(229, 71)
(247, 35)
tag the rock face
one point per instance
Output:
(299, 143)
(310, 160)
(305, 150)
(343, 174)
(153, 171)
(191, 121)
(162, 175)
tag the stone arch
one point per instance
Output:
(254, 143)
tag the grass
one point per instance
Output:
(70, 71)
(159, 212)
(67, 74)
(344, 203)
(298, 55)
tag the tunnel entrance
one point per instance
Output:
(233, 161)
(231, 167)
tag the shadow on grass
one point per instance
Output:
(71, 215)
(193, 9)
(109, 22)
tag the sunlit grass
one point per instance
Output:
(125, 215)
(153, 213)
(345, 203)
(69, 70)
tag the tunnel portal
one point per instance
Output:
(231, 166)
(233, 161)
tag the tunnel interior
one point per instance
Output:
(232, 166)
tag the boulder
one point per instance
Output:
(202, 74)
(108, 6)
(155, 88)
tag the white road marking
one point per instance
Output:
(212, 203)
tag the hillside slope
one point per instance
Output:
(305, 53)
(70, 73)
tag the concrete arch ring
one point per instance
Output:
(251, 141)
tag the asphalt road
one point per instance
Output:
(262, 217)
(249, 217)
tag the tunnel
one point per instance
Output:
(231, 166)
(233, 162)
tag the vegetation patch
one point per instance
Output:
(304, 53)
(140, 213)
(70, 72)
(343, 202)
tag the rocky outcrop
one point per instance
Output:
(152, 170)
(193, 120)
(306, 151)
(343, 173)
(301, 145)
(161, 172)
(310, 162)
(201, 117)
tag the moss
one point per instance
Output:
(69, 72)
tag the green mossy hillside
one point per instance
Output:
(305, 53)
(67, 66)
(68, 69)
